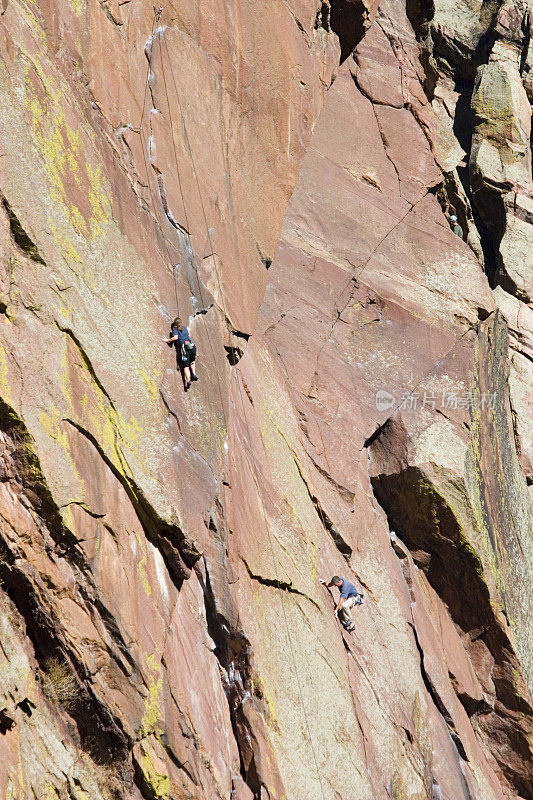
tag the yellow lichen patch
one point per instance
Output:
(96, 413)
(66, 162)
(153, 662)
(51, 424)
(272, 717)
(154, 774)
(98, 540)
(98, 200)
(66, 516)
(34, 24)
(18, 786)
(313, 561)
(261, 687)
(78, 793)
(474, 479)
(5, 387)
(65, 309)
(78, 6)
(150, 384)
(141, 566)
(50, 792)
(152, 708)
(422, 737)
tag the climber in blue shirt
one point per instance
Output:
(349, 597)
(186, 351)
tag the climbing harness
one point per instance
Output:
(187, 350)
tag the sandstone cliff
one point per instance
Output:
(279, 173)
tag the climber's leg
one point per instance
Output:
(192, 361)
(344, 611)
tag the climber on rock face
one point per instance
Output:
(456, 228)
(185, 351)
(349, 597)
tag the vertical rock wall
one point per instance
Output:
(163, 631)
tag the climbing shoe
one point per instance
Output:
(194, 377)
(187, 386)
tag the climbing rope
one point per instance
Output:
(145, 148)
(193, 259)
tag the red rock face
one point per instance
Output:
(163, 629)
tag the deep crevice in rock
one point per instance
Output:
(95, 724)
(438, 701)
(27, 471)
(340, 543)
(487, 207)
(20, 236)
(441, 55)
(427, 524)
(234, 654)
(276, 583)
(235, 352)
(6, 722)
(348, 19)
(322, 16)
(489, 216)
(179, 553)
(87, 363)
(100, 735)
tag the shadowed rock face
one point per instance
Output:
(278, 174)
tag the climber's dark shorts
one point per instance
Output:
(188, 356)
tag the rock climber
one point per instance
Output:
(349, 597)
(456, 228)
(185, 352)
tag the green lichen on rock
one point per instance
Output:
(492, 101)
(497, 487)
(153, 776)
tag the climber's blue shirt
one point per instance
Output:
(348, 589)
(183, 335)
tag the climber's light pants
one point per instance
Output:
(344, 610)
